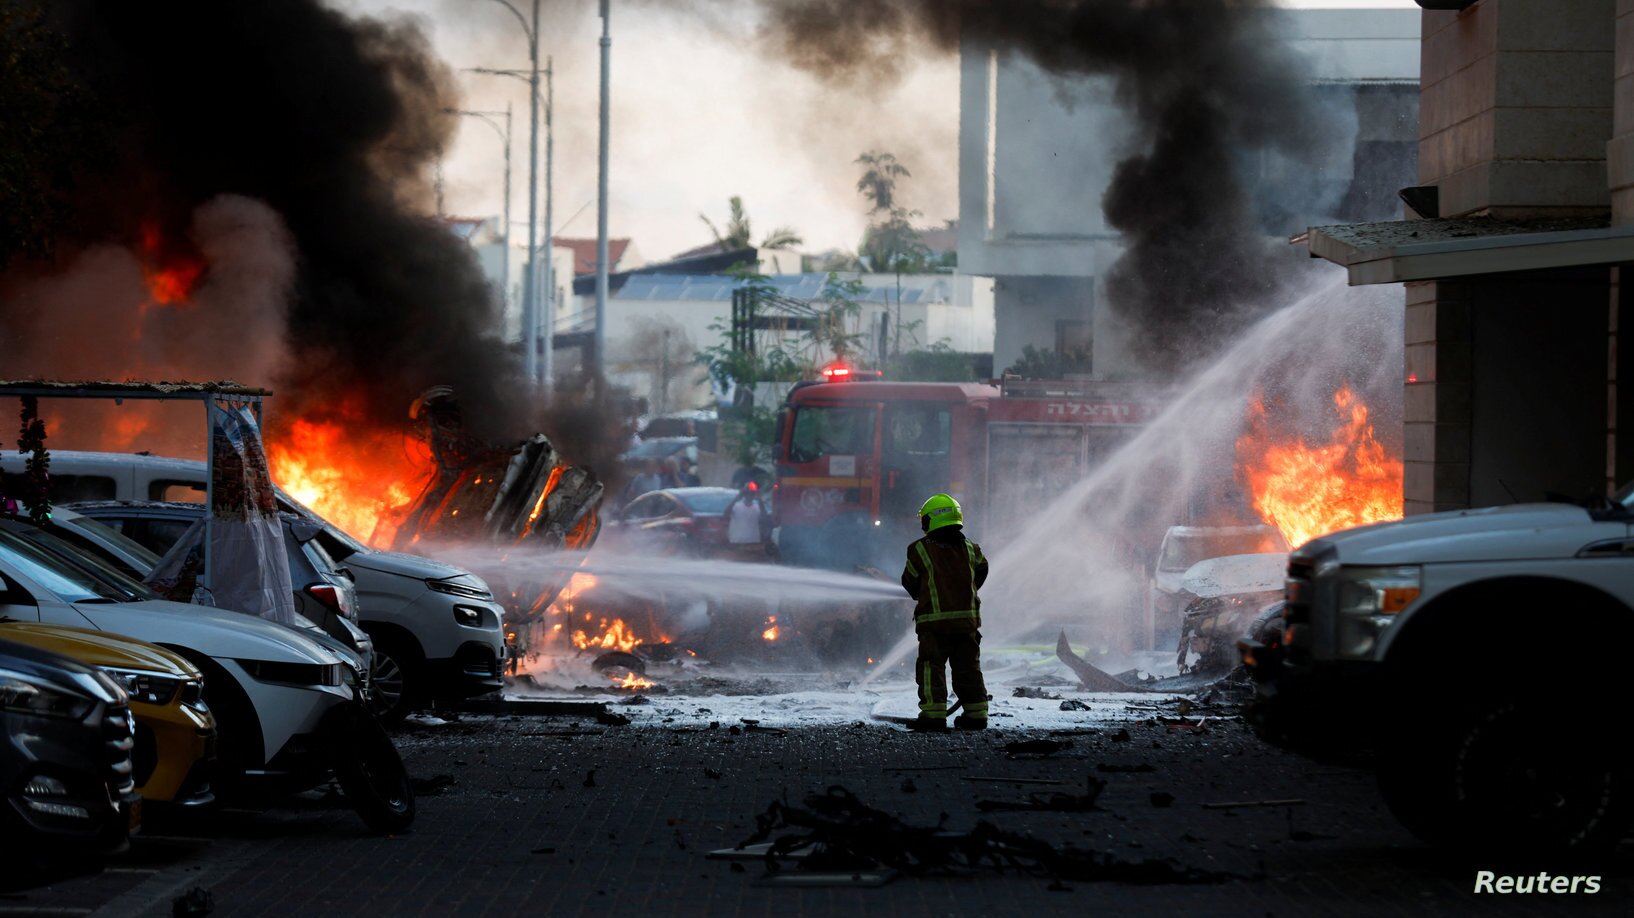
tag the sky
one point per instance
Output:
(699, 114)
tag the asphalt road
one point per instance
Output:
(564, 815)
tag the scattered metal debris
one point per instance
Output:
(1244, 804)
(1051, 803)
(1092, 678)
(847, 838)
(1038, 747)
(1073, 704)
(1024, 692)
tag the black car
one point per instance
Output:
(65, 763)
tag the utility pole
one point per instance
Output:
(530, 274)
(547, 361)
(601, 197)
(530, 300)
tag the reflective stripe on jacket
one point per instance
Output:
(942, 574)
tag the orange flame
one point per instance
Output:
(615, 636)
(770, 634)
(356, 477)
(1308, 490)
(632, 681)
(170, 275)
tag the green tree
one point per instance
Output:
(878, 182)
(740, 235)
(1044, 363)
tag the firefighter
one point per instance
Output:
(943, 571)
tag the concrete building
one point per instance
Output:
(1035, 154)
(504, 274)
(1514, 253)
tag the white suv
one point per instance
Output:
(438, 633)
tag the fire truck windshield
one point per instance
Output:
(823, 430)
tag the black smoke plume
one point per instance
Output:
(1208, 84)
(329, 121)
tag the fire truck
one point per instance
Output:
(856, 456)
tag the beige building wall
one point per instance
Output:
(1516, 106)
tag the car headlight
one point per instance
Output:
(1370, 598)
(20, 696)
(144, 686)
(469, 616)
(307, 674)
(459, 589)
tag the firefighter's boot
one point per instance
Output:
(964, 722)
(923, 724)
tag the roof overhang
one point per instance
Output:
(1410, 250)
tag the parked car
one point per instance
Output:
(433, 625)
(65, 762)
(1184, 546)
(175, 731)
(690, 521)
(1472, 653)
(324, 592)
(289, 710)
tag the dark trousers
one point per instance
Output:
(963, 652)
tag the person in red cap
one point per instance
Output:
(743, 522)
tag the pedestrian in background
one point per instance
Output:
(743, 522)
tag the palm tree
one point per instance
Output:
(738, 233)
(878, 182)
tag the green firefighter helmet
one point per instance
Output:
(941, 510)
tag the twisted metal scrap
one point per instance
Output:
(844, 833)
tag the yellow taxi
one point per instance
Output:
(175, 732)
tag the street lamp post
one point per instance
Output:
(601, 195)
(530, 292)
(505, 241)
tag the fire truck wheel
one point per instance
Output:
(370, 771)
(1509, 775)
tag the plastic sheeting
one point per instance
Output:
(248, 569)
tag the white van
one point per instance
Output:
(438, 633)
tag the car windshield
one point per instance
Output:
(823, 430)
(107, 535)
(68, 581)
(711, 501)
(1182, 550)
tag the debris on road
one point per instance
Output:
(1052, 803)
(848, 838)
(194, 903)
(1073, 704)
(1042, 748)
(1245, 804)
(1024, 692)
(1092, 678)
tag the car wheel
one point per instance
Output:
(370, 771)
(393, 680)
(1510, 775)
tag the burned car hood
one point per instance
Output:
(1512, 533)
(1234, 575)
(393, 562)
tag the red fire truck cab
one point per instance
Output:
(855, 459)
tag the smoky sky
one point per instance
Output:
(330, 121)
(1207, 83)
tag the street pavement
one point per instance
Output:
(565, 815)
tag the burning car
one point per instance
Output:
(1224, 598)
(1181, 549)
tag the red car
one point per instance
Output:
(674, 521)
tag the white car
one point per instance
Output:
(287, 707)
(1184, 546)
(1473, 652)
(438, 633)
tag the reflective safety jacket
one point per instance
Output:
(942, 573)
